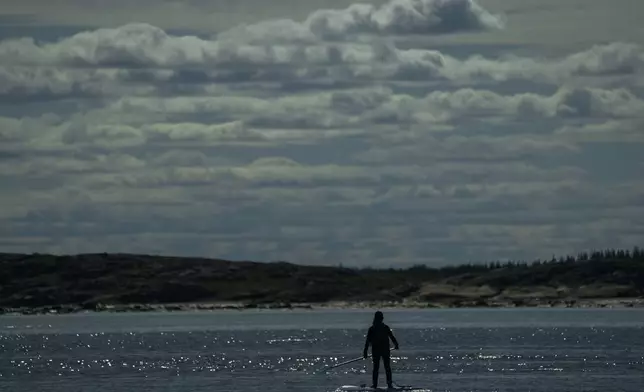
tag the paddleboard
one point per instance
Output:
(398, 388)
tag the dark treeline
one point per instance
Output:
(606, 255)
(609, 266)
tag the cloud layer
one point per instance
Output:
(342, 137)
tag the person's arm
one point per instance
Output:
(366, 343)
(393, 338)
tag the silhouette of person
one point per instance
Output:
(378, 336)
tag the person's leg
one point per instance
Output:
(376, 366)
(387, 363)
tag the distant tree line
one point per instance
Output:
(607, 255)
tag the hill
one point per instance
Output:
(38, 282)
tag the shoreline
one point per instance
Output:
(570, 303)
(142, 283)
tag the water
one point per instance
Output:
(446, 350)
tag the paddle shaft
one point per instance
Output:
(350, 361)
(347, 362)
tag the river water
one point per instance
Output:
(443, 350)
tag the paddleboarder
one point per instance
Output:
(378, 337)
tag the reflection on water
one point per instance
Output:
(107, 353)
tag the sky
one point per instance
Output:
(381, 134)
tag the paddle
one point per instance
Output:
(348, 362)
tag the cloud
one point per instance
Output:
(262, 172)
(132, 45)
(455, 106)
(361, 134)
(624, 131)
(56, 165)
(381, 104)
(310, 111)
(373, 113)
(610, 59)
(358, 100)
(118, 129)
(589, 102)
(403, 17)
(16, 133)
(395, 17)
(141, 59)
(423, 149)
(143, 45)
(616, 58)
(48, 83)
(234, 131)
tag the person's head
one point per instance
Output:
(378, 317)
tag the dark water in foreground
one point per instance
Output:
(445, 350)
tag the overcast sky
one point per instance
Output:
(322, 132)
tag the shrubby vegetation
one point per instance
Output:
(88, 280)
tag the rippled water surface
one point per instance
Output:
(443, 350)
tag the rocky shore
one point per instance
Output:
(121, 308)
(209, 307)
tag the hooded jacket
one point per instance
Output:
(378, 336)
